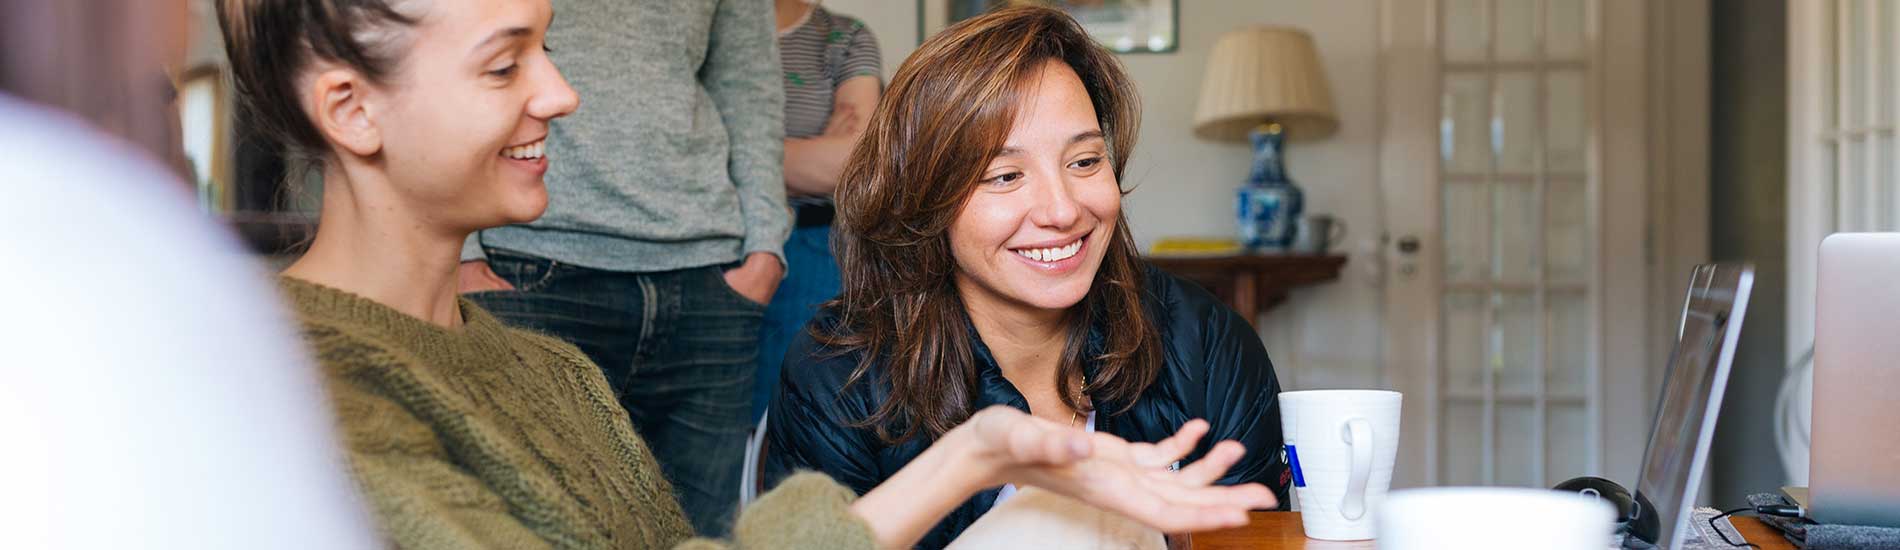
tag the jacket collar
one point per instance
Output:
(994, 389)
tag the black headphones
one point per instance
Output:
(1635, 516)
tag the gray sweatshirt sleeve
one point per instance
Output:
(472, 248)
(743, 75)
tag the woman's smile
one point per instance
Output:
(1058, 258)
(529, 156)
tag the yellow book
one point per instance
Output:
(1194, 246)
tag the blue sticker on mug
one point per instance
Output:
(1293, 465)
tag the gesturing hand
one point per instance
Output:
(1133, 479)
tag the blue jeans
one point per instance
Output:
(811, 279)
(679, 349)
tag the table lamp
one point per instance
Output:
(1264, 84)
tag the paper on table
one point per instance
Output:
(1699, 537)
(1039, 519)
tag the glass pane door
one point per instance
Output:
(1516, 195)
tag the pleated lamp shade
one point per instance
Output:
(1262, 74)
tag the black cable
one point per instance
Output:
(1718, 530)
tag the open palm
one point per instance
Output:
(1134, 479)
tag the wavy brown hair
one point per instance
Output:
(944, 117)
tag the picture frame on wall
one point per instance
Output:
(1122, 26)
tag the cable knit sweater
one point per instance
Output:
(493, 437)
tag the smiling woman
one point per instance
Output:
(937, 198)
(986, 262)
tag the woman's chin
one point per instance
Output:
(526, 208)
(1054, 299)
(1041, 291)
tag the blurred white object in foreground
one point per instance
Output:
(152, 391)
(1494, 518)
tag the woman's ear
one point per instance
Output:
(341, 111)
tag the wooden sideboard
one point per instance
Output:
(1249, 283)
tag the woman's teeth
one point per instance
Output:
(527, 152)
(1051, 254)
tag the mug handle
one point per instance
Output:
(1358, 434)
(1338, 235)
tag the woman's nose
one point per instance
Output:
(1056, 205)
(554, 99)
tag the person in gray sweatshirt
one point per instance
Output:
(662, 239)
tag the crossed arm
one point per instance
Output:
(813, 164)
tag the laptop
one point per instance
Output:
(1678, 449)
(1854, 452)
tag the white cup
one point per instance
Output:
(1494, 518)
(1341, 445)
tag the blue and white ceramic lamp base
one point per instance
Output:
(1268, 205)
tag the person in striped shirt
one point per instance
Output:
(833, 77)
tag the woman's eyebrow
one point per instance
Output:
(1078, 138)
(503, 34)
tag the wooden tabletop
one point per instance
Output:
(1281, 531)
(1761, 534)
(1270, 531)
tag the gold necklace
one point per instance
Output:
(1075, 415)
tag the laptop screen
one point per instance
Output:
(1691, 397)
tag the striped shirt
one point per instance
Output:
(819, 54)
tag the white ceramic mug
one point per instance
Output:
(1341, 445)
(1494, 518)
(1318, 234)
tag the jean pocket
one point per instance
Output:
(718, 281)
(525, 273)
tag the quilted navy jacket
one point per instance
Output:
(1215, 369)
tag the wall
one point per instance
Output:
(1748, 106)
(206, 46)
(1324, 336)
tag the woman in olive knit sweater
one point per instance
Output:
(428, 123)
